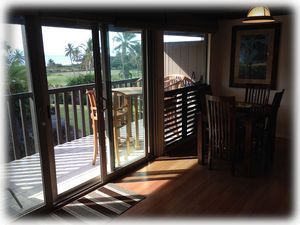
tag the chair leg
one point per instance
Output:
(95, 131)
(117, 155)
(128, 128)
(127, 142)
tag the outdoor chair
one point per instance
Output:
(175, 81)
(121, 118)
(93, 116)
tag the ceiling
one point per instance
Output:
(155, 15)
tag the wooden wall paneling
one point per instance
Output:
(184, 59)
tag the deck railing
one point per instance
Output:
(70, 119)
(180, 109)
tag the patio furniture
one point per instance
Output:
(121, 117)
(135, 93)
(174, 81)
(93, 115)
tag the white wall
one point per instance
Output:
(220, 69)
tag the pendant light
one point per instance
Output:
(259, 14)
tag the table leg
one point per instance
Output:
(136, 113)
(130, 114)
(248, 146)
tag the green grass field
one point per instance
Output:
(61, 79)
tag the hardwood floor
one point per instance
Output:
(180, 187)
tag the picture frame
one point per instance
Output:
(254, 55)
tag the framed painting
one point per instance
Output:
(254, 55)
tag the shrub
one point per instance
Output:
(81, 79)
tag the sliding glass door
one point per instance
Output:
(70, 75)
(125, 118)
(89, 95)
(23, 173)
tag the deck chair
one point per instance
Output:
(175, 81)
(93, 116)
(121, 117)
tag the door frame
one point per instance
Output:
(34, 39)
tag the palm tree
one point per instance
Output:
(126, 45)
(69, 50)
(87, 59)
(15, 56)
(77, 55)
(50, 63)
(137, 57)
(17, 78)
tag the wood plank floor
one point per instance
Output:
(180, 187)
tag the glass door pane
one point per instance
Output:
(70, 74)
(126, 98)
(24, 183)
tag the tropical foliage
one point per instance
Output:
(82, 54)
(128, 52)
(126, 63)
(16, 70)
(81, 79)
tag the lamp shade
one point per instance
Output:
(259, 15)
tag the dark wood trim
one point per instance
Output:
(99, 99)
(107, 89)
(41, 98)
(155, 68)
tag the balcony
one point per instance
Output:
(72, 139)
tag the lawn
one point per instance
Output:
(61, 79)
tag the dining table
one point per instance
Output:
(132, 93)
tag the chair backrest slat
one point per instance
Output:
(257, 95)
(221, 124)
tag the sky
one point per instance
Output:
(56, 39)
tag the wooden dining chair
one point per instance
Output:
(264, 132)
(121, 117)
(221, 126)
(257, 95)
(93, 116)
(270, 129)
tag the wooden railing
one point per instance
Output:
(70, 117)
(180, 108)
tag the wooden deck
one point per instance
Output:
(73, 167)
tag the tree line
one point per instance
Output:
(128, 57)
